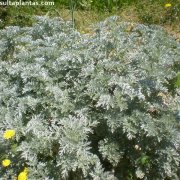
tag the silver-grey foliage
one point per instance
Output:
(89, 106)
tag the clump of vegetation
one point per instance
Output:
(94, 106)
(161, 12)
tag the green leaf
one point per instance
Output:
(177, 83)
(144, 159)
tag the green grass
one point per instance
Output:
(92, 11)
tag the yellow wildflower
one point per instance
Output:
(9, 134)
(22, 176)
(168, 5)
(6, 162)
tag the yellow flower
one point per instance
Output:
(9, 134)
(168, 5)
(22, 176)
(6, 162)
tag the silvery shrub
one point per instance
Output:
(89, 106)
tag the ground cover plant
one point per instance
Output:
(102, 105)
